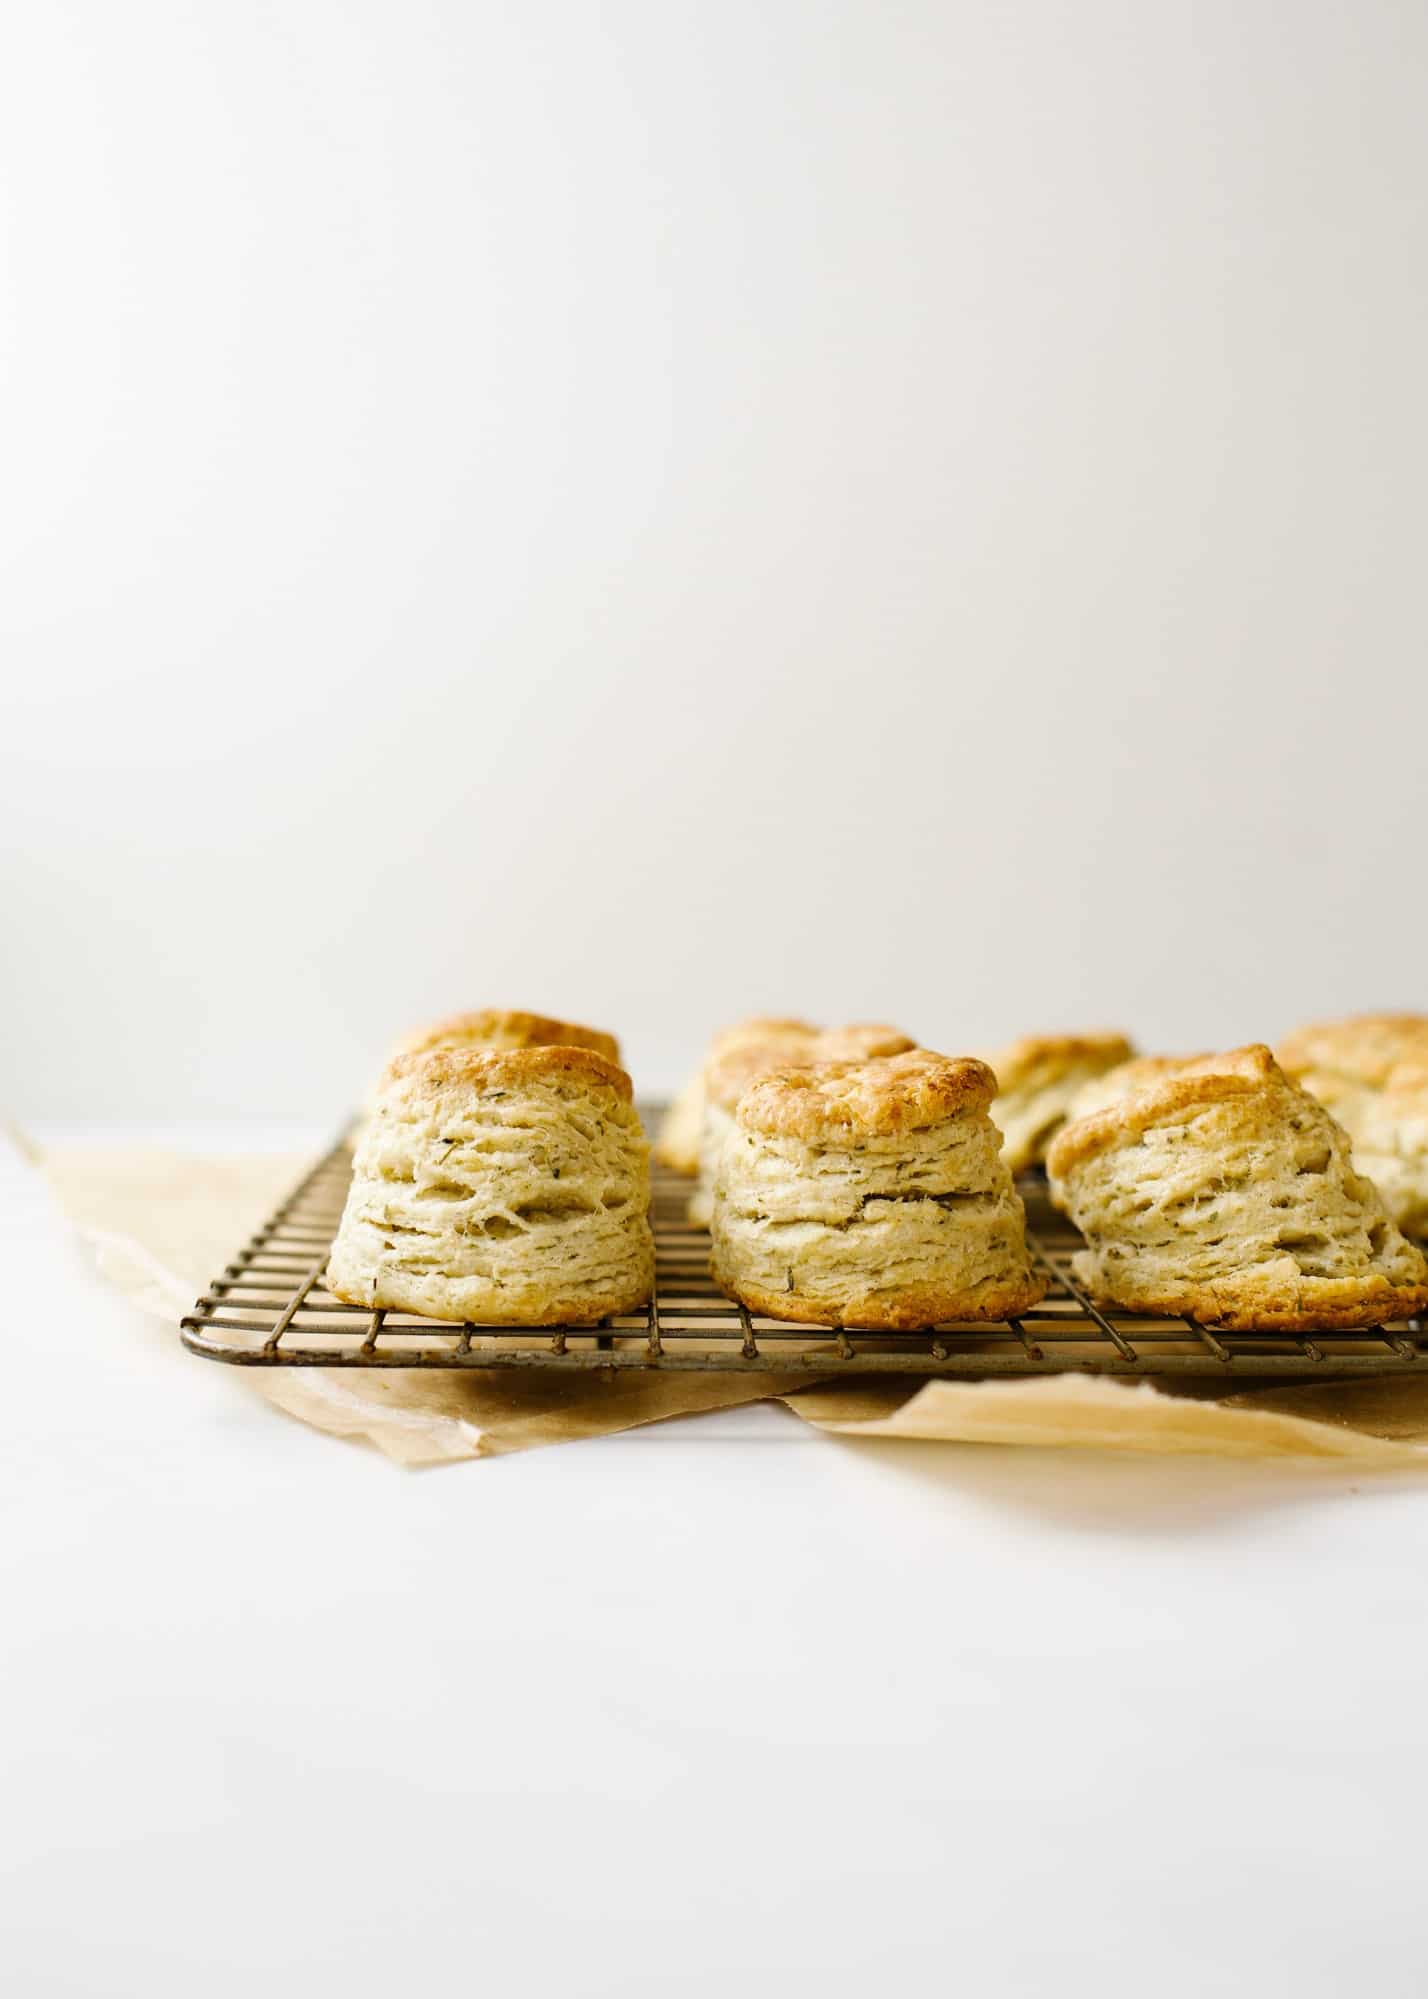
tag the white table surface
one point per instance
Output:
(718, 1706)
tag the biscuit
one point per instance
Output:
(1224, 1193)
(500, 1187)
(740, 1062)
(1037, 1078)
(1371, 1072)
(873, 1194)
(677, 1142)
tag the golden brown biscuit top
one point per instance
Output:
(1016, 1062)
(1141, 1071)
(874, 1099)
(504, 1027)
(861, 1041)
(756, 1028)
(1364, 1047)
(1212, 1079)
(425, 1073)
(730, 1073)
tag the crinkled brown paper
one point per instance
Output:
(163, 1222)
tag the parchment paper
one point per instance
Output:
(162, 1223)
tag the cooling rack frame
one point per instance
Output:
(268, 1308)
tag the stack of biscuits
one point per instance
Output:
(851, 1177)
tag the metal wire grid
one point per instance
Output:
(270, 1309)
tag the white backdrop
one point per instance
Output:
(659, 510)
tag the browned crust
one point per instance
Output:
(861, 1041)
(1143, 1070)
(1014, 1062)
(481, 1068)
(1365, 1047)
(873, 1099)
(512, 1028)
(731, 1071)
(907, 1311)
(1241, 1072)
(1316, 1305)
(756, 1027)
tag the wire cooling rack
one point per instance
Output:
(270, 1309)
